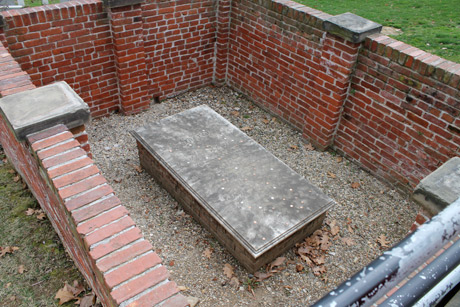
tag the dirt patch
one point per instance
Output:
(391, 31)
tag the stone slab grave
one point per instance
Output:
(254, 204)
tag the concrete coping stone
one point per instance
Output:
(440, 188)
(351, 27)
(42, 108)
(120, 3)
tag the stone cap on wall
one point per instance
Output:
(351, 27)
(41, 108)
(440, 188)
(120, 3)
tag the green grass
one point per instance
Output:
(431, 25)
(40, 251)
(29, 3)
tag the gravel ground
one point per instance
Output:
(366, 208)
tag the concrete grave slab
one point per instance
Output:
(41, 108)
(440, 188)
(253, 203)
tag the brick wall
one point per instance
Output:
(95, 228)
(401, 120)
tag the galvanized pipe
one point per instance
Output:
(424, 286)
(384, 273)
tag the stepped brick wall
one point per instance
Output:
(94, 227)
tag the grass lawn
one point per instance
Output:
(33, 273)
(431, 25)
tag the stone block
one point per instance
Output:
(253, 203)
(440, 188)
(41, 108)
(351, 27)
(120, 3)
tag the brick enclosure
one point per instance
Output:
(390, 107)
(387, 106)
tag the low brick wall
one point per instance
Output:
(94, 227)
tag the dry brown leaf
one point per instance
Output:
(274, 119)
(265, 121)
(64, 295)
(228, 270)
(350, 229)
(8, 285)
(319, 270)
(182, 288)
(41, 216)
(30, 211)
(332, 175)
(12, 298)
(7, 250)
(16, 178)
(11, 171)
(319, 260)
(355, 185)
(21, 269)
(339, 159)
(171, 263)
(234, 282)
(382, 240)
(299, 267)
(235, 113)
(335, 230)
(305, 250)
(207, 253)
(88, 300)
(278, 262)
(77, 288)
(293, 147)
(348, 241)
(309, 147)
(325, 243)
(246, 128)
(261, 275)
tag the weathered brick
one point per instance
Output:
(177, 300)
(156, 295)
(52, 140)
(109, 230)
(46, 133)
(131, 269)
(64, 157)
(81, 186)
(124, 255)
(69, 167)
(75, 176)
(101, 220)
(115, 243)
(89, 197)
(49, 152)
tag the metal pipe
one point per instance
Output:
(435, 273)
(437, 293)
(384, 273)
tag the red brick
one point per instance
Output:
(60, 159)
(94, 209)
(69, 167)
(49, 152)
(115, 243)
(131, 269)
(109, 230)
(101, 220)
(177, 300)
(81, 186)
(46, 133)
(75, 176)
(420, 219)
(122, 256)
(156, 295)
(140, 284)
(53, 140)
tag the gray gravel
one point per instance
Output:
(363, 212)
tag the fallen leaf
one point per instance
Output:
(382, 240)
(273, 119)
(339, 159)
(335, 230)
(309, 147)
(332, 175)
(348, 241)
(355, 185)
(246, 128)
(11, 171)
(7, 250)
(41, 216)
(278, 262)
(21, 269)
(171, 263)
(8, 285)
(234, 282)
(192, 301)
(262, 275)
(30, 211)
(350, 229)
(207, 253)
(12, 298)
(299, 267)
(319, 260)
(88, 300)
(235, 113)
(265, 121)
(64, 295)
(228, 270)
(305, 250)
(77, 288)
(294, 147)
(16, 178)
(182, 288)
(319, 270)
